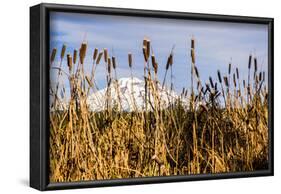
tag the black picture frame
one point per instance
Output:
(39, 73)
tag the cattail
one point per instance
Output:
(113, 62)
(153, 59)
(130, 60)
(96, 51)
(225, 81)
(234, 79)
(144, 53)
(105, 54)
(260, 76)
(229, 68)
(62, 51)
(109, 65)
(219, 76)
(69, 62)
(263, 76)
(89, 81)
(211, 82)
(255, 64)
(196, 72)
(154, 63)
(192, 43)
(250, 61)
(168, 62)
(148, 48)
(144, 43)
(193, 56)
(53, 55)
(244, 83)
(155, 67)
(99, 58)
(237, 73)
(171, 61)
(83, 50)
(74, 56)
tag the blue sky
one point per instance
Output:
(217, 43)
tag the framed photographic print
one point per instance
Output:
(124, 96)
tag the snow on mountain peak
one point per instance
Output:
(129, 94)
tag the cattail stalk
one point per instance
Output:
(249, 69)
(169, 62)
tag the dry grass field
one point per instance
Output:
(214, 127)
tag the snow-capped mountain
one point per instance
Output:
(129, 94)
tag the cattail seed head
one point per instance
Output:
(144, 50)
(96, 51)
(62, 51)
(153, 59)
(69, 61)
(234, 80)
(211, 82)
(109, 65)
(193, 56)
(144, 43)
(154, 63)
(168, 63)
(237, 73)
(219, 76)
(229, 68)
(225, 81)
(114, 62)
(244, 83)
(255, 64)
(105, 54)
(99, 58)
(130, 59)
(250, 62)
(192, 43)
(148, 48)
(74, 56)
(155, 67)
(263, 76)
(82, 54)
(260, 76)
(171, 61)
(53, 55)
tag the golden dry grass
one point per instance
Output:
(207, 137)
